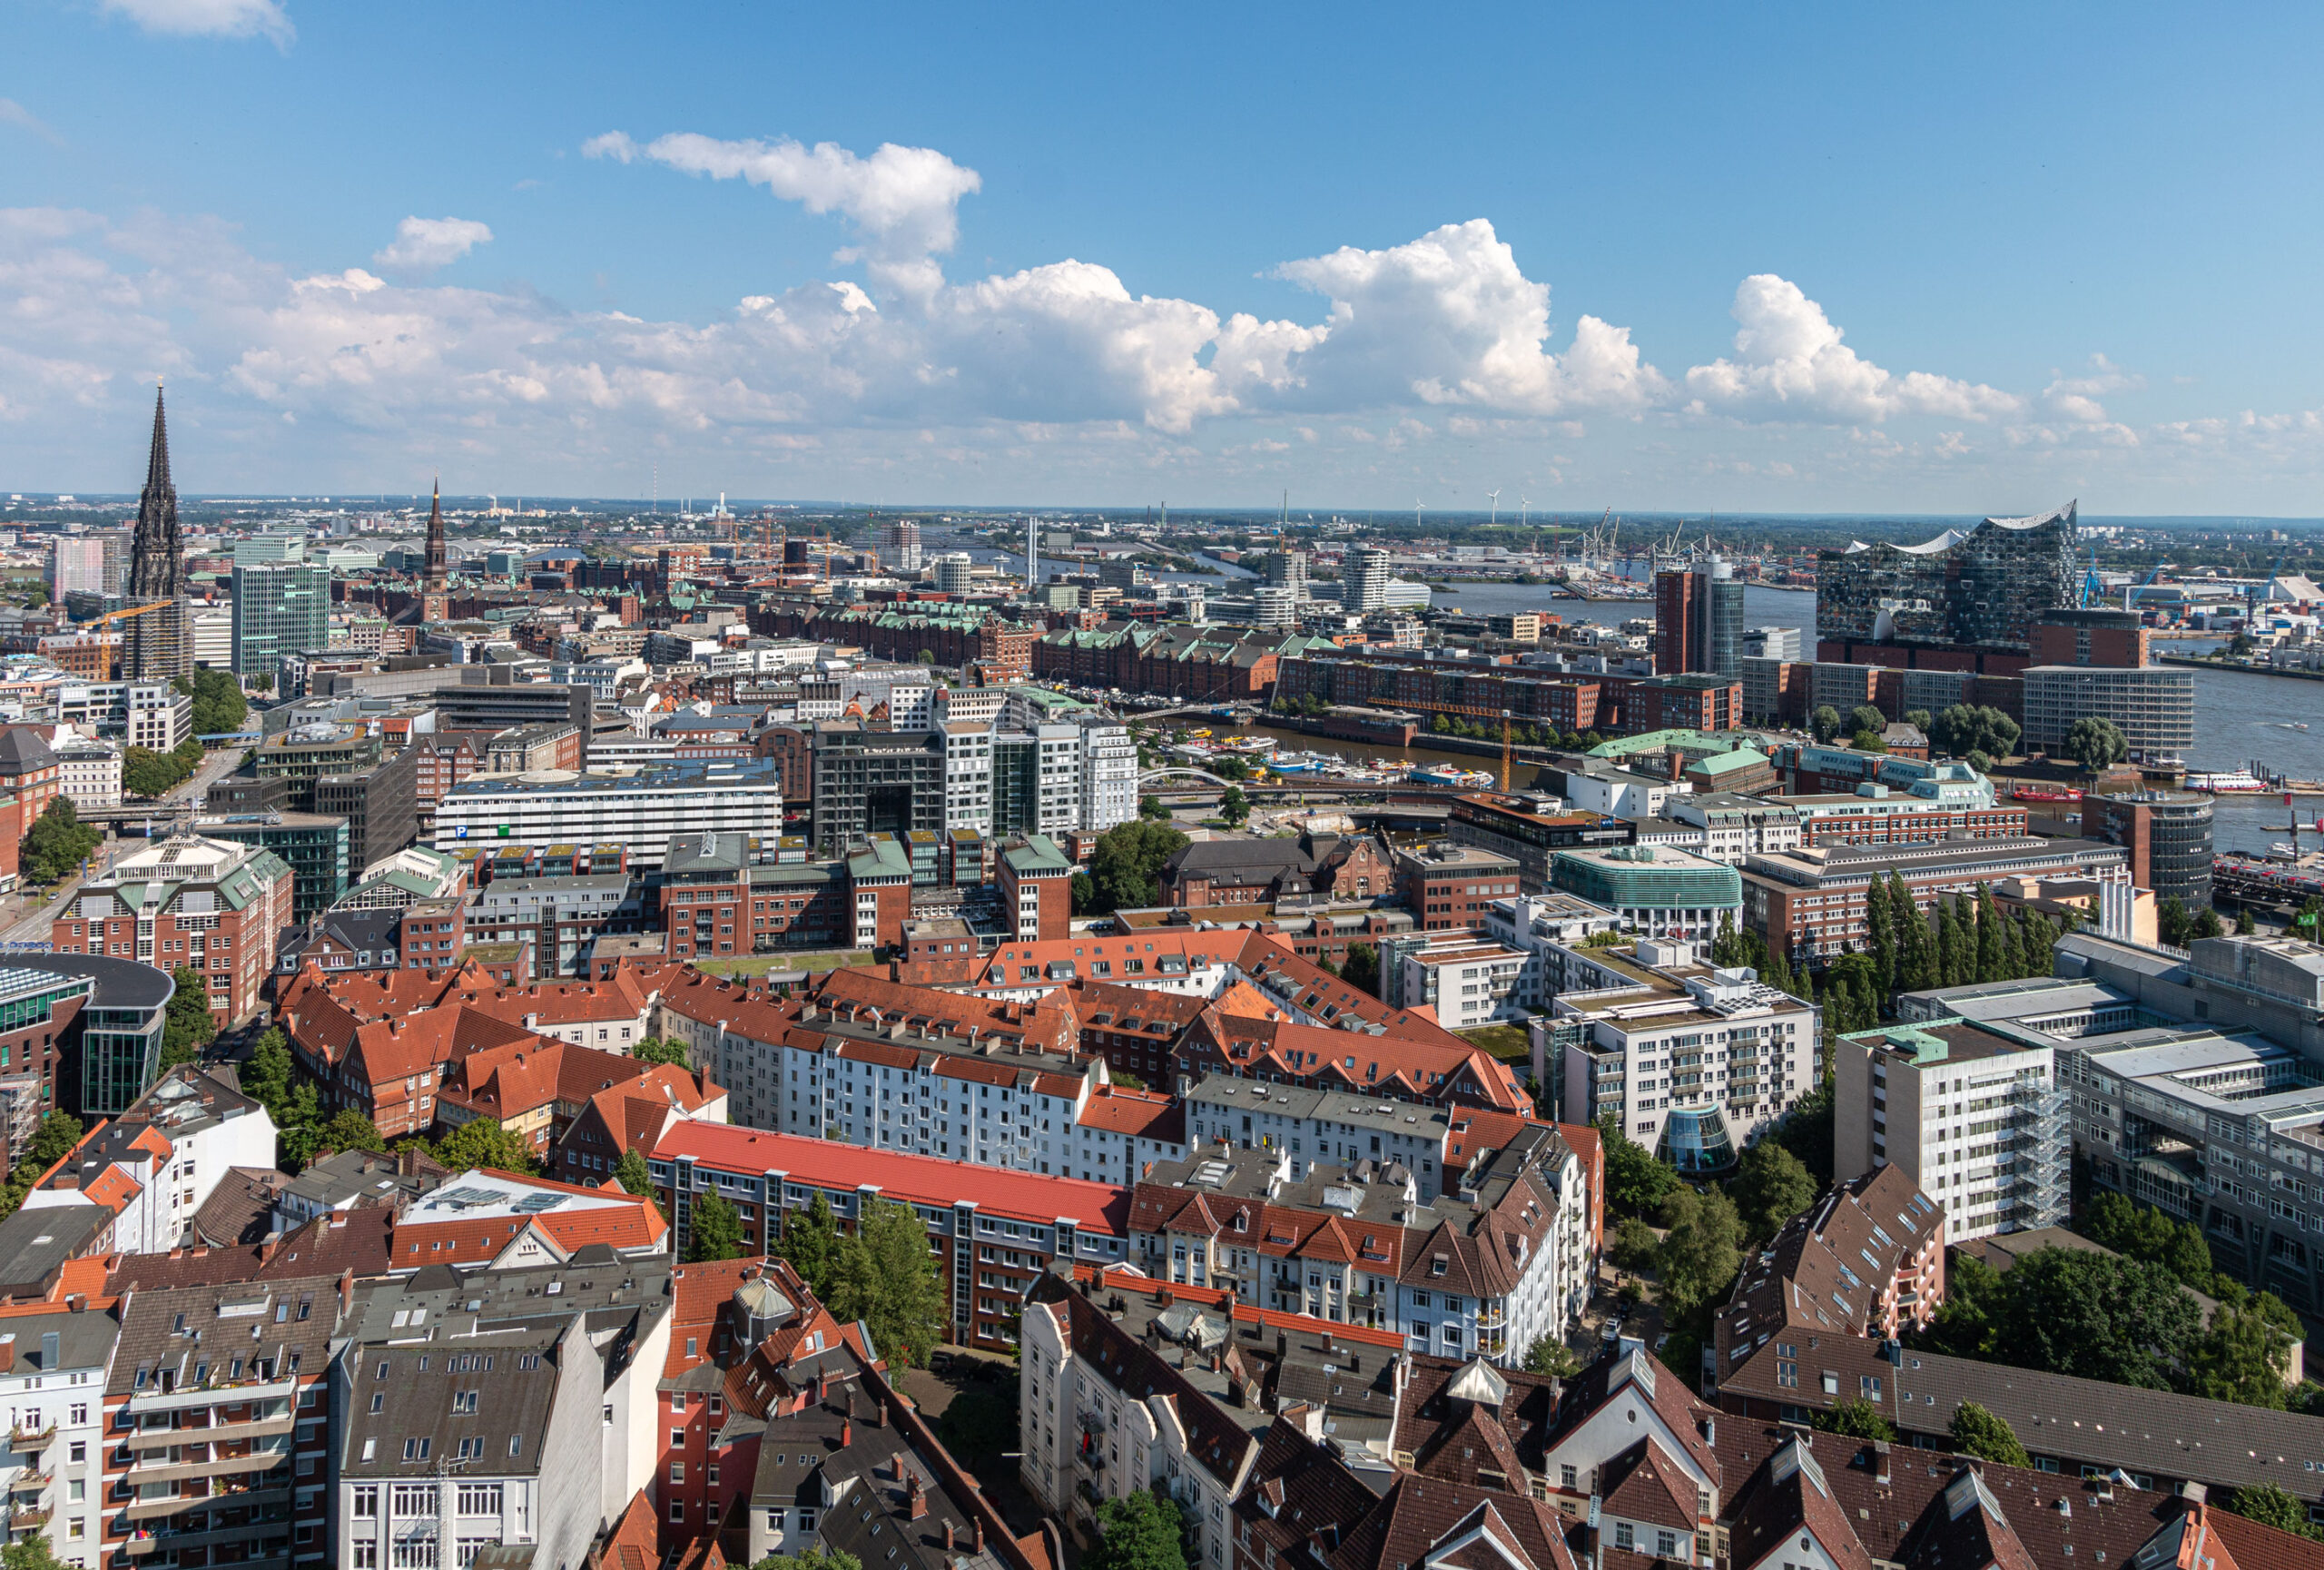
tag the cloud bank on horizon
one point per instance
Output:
(1442, 335)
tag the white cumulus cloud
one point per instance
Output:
(424, 245)
(903, 202)
(14, 113)
(1789, 363)
(1449, 318)
(210, 18)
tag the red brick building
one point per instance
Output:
(1036, 881)
(218, 911)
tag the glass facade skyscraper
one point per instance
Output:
(279, 608)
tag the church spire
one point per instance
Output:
(439, 563)
(157, 559)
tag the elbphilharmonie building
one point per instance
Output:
(1980, 589)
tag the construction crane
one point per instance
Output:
(2092, 588)
(126, 614)
(2131, 594)
(1508, 748)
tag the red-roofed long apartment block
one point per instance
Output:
(995, 1230)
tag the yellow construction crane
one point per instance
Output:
(124, 615)
(1508, 748)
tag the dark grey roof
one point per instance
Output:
(22, 751)
(1212, 856)
(34, 1243)
(431, 1396)
(121, 983)
(202, 1335)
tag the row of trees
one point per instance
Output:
(150, 773)
(1126, 869)
(1523, 733)
(219, 707)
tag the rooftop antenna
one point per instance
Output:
(1493, 521)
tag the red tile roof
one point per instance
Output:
(915, 1180)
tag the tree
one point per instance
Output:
(2245, 923)
(1634, 1245)
(1151, 809)
(1977, 1432)
(57, 843)
(1771, 1186)
(1550, 1356)
(1807, 1132)
(1235, 806)
(1825, 722)
(350, 1130)
(1084, 894)
(262, 682)
(927, 657)
(1915, 943)
(717, 1229)
(1230, 766)
(1864, 716)
(188, 1025)
(1128, 864)
(299, 1131)
(810, 1241)
(1964, 728)
(1919, 719)
(1867, 741)
(147, 773)
(1635, 1182)
(2270, 1507)
(2095, 1316)
(266, 1078)
(636, 1178)
(2208, 925)
(1138, 1531)
(662, 1050)
(2245, 1353)
(1880, 934)
(483, 1142)
(815, 1559)
(886, 1278)
(1361, 969)
(219, 707)
(1857, 1419)
(1702, 1250)
(1992, 965)
(31, 1553)
(2173, 923)
(2095, 742)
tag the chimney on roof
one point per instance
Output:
(915, 1498)
(1880, 1462)
(846, 1432)
(976, 1535)
(7, 1353)
(947, 1537)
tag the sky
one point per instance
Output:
(1977, 258)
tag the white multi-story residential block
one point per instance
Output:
(1500, 1260)
(155, 715)
(1470, 983)
(968, 774)
(88, 772)
(641, 807)
(52, 1387)
(1108, 775)
(1693, 1061)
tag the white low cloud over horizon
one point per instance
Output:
(1058, 375)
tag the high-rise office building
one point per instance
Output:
(279, 608)
(76, 561)
(903, 546)
(1367, 575)
(955, 572)
(1286, 570)
(1699, 619)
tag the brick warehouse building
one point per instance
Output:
(218, 908)
(995, 1230)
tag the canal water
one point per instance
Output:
(2239, 718)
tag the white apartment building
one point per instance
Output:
(604, 678)
(52, 1387)
(1730, 826)
(168, 1151)
(75, 562)
(155, 715)
(968, 774)
(974, 705)
(1620, 793)
(1979, 1120)
(1108, 775)
(1486, 1268)
(1470, 983)
(211, 627)
(1105, 1416)
(1031, 1110)
(1695, 1062)
(88, 771)
(1311, 1126)
(641, 807)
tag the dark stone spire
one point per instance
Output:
(439, 564)
(156, 558)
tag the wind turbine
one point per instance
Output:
(1495, 520)
(1416, 506)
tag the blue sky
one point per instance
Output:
(1820, 259)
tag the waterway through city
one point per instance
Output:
(2240, 718)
